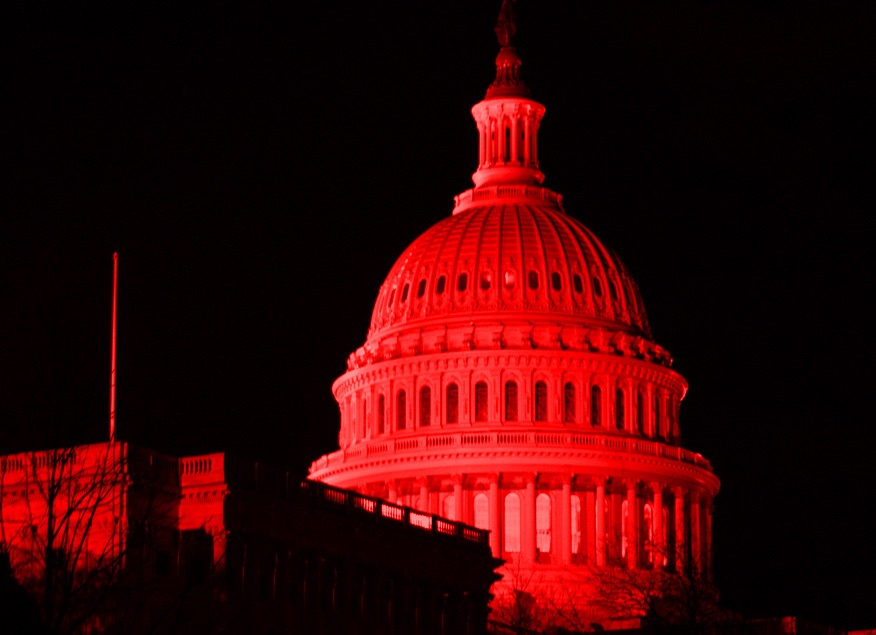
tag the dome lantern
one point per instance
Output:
(507, 118)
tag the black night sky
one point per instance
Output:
(259, 166)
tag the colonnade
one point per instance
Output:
(564, 519)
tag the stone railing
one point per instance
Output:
(530, 439)
(481, 194)
(354, 503)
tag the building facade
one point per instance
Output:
(510, 380)
(113, 538)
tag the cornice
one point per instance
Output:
(523, 333)
(561, 361)
(501, 448)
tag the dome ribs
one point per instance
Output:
(522, 256)
(427, 269)
(574, 246)
(563, 249)
(515, 236)
(461, 228)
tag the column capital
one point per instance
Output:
(656, 487)
(678, 491)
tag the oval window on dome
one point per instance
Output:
(439, 286)
(421, 288)
(597, 286)
(462, 282)
(404, 297)
(533, 280)
(510, 279)
(556, 281)
(486, 280)
(577, 284)
(391, 297)
(612, 290)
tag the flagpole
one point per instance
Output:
(112, 421)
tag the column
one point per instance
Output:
(658, 549)
(566, 521)
(680, 539)
(632, 528)
(492, 133)
(423, 504)
(529, 543)
(495, 517)
(599, 522)
(527, 140)
(515, 150)
(709, 510)
(696, 545)
(482, 144)
(500, 132)
(589, 526)
(457, 498)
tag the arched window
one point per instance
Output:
(462, 282)
(576, 524)
(510, 401)
(448, 507)
(569, 402)
(556, 281)
(421, 288)
(481, 401)
(439, 287)
(533, 280)
(400, 408)
(381, 414)
(512, 523)
(577, 283)
(425, 406)
(452, 405)
(540, 401)
(657, 413)
(482, 511)
(640, 413)
(595, 406)
(543, 523)
(619, 408)
(404, 297)
(597, 287)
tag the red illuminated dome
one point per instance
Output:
(510, 380)
(508, 253)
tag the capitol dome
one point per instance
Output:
(510, 251)
(510, 380)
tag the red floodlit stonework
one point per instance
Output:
(510, 380)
